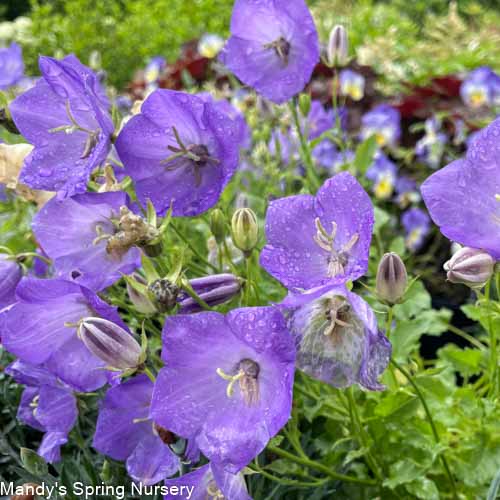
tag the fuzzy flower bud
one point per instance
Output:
(218, 225)
(470, 266)
(110, 343)
(391, 278)
(213, 290)
(245, 230)
(164, 293)
(338, 48)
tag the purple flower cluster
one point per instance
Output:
(225, 381)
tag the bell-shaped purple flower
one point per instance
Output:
(273, 46)
(65, 116)
(10, 275)
(383, 122)
(180, 151)
(417, 225)
(244, 134)
(463, 197)
(337, 337)
(41, 328)
(47, 405)
(82, 236)
(227, 383)
(11, 66)
(209, 481)
(125, 432)
(314, 240)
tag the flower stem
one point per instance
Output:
(306, 462)
(431, 423)
(361, 434)
(312, 178)
(388, 325)
(150, 374)
(493, 343)
(193, 249)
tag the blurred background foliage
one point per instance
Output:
(405, 41)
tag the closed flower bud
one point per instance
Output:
(110, 343)
(245, 230)
(338, 49)
(141, 301)
(470, 267)
(218, 225)
(391, 278)
(305, 104)
(213, 290)
(164, 293)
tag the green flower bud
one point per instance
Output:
(305, 104)
(245, 230)
(218, 225)
(391, 278)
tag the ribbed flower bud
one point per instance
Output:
(391, 278)
(218, 225)
(470, 267)
(338, 48)
(213, 290)
(110, 343)
(245, 230)
(305, 104)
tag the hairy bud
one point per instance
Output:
(245, 230)
(141, 301)
(338, 48)
(164, 293)
(391, 278)
(470, 267)
(110, 343)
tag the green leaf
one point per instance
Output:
(423, 488)
(33, 463)
(364, 154)
(404, 471)
(465, 361)
(381, 219)
(399, 404)
(494, 488)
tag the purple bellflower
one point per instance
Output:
(417, 225)
(210, 482)
(481, 88)
(65, 116)
(179, 150)
(463, 198)
(125, 432)
(10, 275)
(320, 120)
(335, 229)
(384, 122)
(41, 328)
(383, 174)
(11, 66)
(46, 405)
(244, 136)
(273, 46)
(227, 383)
(337, 337)
(82, 236)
